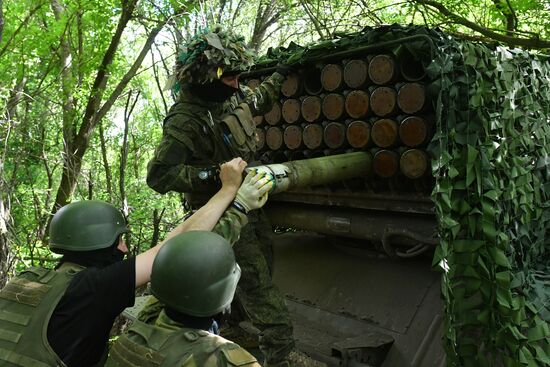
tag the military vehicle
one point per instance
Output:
(355, 245)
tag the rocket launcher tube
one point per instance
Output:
(317, 171)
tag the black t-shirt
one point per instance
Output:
(79, 328)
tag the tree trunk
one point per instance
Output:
(106, 166)
(94, 113)
(1, 20)
(67, 84)
(10, 114)
(76, 148)
(4, 243)
(157, 218)
(16, 94)
(129, 108)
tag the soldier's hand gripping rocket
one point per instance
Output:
(231, 173)
(254, 190)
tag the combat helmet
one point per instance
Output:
(211, 54)
(195, 273)
(85, 226)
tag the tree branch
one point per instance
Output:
(23, 24)
(157, 77)
(89, 120)
(130, 73)
(313, 19)
(106, 166)
(509, 15)
(514, 41)
(1, 20)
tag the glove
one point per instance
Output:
(254, 191)
(284, 69)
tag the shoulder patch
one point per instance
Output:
(237, 356)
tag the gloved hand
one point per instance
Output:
(254, 191)
(284, 69)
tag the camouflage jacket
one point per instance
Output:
(230, 224)
(189, 143)
(169, 343)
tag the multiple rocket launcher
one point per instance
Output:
(377, 105)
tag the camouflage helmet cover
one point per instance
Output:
(210, 54)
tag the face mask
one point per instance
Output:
(215, 91)
(117, 255)
(97, 258)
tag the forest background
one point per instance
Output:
(82, 99)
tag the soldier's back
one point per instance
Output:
(146, 345)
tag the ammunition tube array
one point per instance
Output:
(376, 103)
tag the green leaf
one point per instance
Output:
(525, 355)
(503, 279)
(483, 317)
(538, 332)
(493, 195)
(213, 40)
(489, 230)
(466, 245)
(499, 257)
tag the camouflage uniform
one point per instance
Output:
(194, 138)
(152, 345)
(208, 262)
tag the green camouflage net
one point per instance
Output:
(209, 54)
(492, 201)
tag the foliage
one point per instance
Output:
(209, 54)
(42, 89)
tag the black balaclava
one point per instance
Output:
(215, 91)
(203, 323)
(96, 258)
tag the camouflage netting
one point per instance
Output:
(209, 54)
(492, 194)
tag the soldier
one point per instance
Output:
(62, 317)
(212, 121)
(195, 276)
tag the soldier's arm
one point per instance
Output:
(252, 194)
(261, 100)
(230, 224)
(203, 219)
(169, 170)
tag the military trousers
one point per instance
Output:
(257, 297)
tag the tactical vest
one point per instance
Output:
(147, 345)
(243, 139)
(26, 305)
(233, 131)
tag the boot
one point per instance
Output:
(296, 358)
